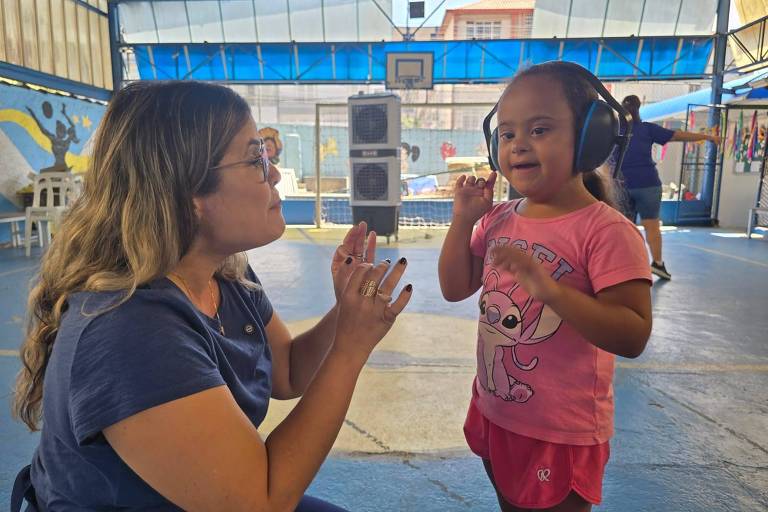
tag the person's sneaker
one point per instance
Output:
(660, 270)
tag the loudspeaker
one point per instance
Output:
(601, 131)
(374, 122)
(374, 160)
(375, 181)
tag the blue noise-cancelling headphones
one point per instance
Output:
(600, 133)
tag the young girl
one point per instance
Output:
(565, 286)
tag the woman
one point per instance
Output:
(152, 350)
(641, 178)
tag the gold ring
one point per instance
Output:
(368, 288)
(383, 296)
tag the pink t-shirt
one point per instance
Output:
(537, 376)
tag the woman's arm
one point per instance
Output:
(295, 360)
(683, 136)
(202, 453)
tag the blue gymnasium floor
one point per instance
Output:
(691, 415)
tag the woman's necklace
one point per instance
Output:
(213, 298)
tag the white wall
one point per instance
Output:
(737, 194)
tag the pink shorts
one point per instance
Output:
(530, 473)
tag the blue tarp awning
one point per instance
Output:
(473, 61)
(734, 90)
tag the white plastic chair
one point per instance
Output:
(60, 189)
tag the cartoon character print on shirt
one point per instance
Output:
(509, 319)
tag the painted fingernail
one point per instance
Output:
(388, 261)
(348, 260)
(409, 288)
(403, 261)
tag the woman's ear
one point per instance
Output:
(198, 205)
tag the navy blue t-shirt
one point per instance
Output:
(639, 169)
(154, 348)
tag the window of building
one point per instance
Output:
(483, 30)
(521, 26)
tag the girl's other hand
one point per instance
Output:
(354, 246)
(531, 275)
(472, 197)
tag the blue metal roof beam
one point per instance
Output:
(475, 61)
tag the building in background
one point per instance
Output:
(489, 19)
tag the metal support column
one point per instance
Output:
(318, 196)
(114, 45)
(718, 65)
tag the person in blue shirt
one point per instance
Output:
(153, 350)
(641, 178)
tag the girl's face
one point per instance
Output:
(244, 212)
(536, 137)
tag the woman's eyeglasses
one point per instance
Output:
(261, 161)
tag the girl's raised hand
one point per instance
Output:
(531, 275)
(354, 246)
(472, 197)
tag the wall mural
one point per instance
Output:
(273, 143)
(41, 132)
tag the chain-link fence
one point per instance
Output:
(439, 142)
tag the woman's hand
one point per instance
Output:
(366, 310)
(531, 275)
(472, 197)
(353, 246)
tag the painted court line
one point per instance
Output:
(693, 367)
(9, 353)
(726, 255)
(22, 269)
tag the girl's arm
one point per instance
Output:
(683, 136)
(618, 319)
(203, 453)
(460, 272)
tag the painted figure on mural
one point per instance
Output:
(273, 143)
(62, 139)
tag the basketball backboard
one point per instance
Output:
(409, 70)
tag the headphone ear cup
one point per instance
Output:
(597, 137)
(495, 149)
